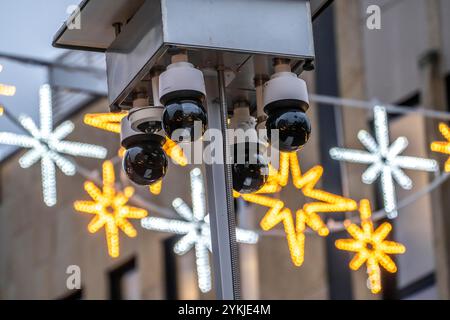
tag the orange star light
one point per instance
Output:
(6, 90)
(105, 121)
(308, 215)
(111, 122)
(443, 147)
(371, 247)
(110, 209)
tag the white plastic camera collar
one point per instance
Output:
(181, 76)
(285, 86)
(138, 116)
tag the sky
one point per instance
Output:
(27, 29)
(28, 26)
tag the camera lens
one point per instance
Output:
(182, 115)
(145, 163)
(250, 170)
(293, 125)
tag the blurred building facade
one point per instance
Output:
(407, 62)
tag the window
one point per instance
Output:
(412, 101)
(415, 277)
(447, 83)
(170, 268)
(73, 295)
(124, 282)
(422, 289)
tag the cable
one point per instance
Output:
(333, 225)
(394, 109)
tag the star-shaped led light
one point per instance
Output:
(47, 145)
(443, 147)
(110, 209)
(5, 89)
(111, 122)
(105, 121)
(308, 215)
(195, 229)
(371, 247)
(384, 160)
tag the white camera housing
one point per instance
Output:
(181, 80)
(285, 89)
(131, 126)
(141, 116)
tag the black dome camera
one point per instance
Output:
(250, 167)
(286, 102)
(182, 92)
(144, 161)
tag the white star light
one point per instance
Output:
(195, 229)
(384, 160)
(46, 145)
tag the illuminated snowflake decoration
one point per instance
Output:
(384, 160)
(195, 229)
(47, 145)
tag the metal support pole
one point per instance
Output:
(220, 198)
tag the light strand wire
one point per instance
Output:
(333, 225)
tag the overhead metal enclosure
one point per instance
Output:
(247, 33)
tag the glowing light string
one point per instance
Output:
(6, 90)
(47, 145)
(195, 229)
(443, 147)
(105, 121)
(308, 215)
(427, 112)
(384, 160)
(111, 122)
(110, 209)
(370, 247)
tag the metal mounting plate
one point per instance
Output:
(96, 31)
(98, 17)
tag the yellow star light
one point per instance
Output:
(111, 122)
(105, 121)
(371, 247)
(6, 90)
(443, 147)
(272, 184)
(308, 215)
(110, 209)
(175, 152)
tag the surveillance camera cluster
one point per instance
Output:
(179, 95)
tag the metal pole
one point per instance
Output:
(220, 198)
